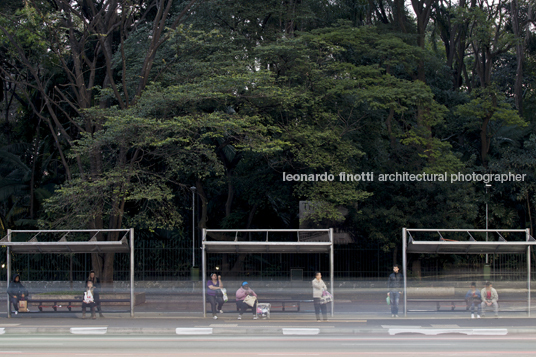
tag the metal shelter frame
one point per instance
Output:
(266, 246)
(471, 246)
(63, 246)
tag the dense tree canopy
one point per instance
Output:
(112, 109)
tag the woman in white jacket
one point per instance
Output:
(318, 288)
(89, 300)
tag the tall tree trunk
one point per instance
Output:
(484, 141)
(518, 86)
(422, 9)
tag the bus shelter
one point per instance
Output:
(65, 246)
(301, 245)
(442, 245)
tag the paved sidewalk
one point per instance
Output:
(279, 323)
(163, 315)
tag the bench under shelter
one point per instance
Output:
(66, 246)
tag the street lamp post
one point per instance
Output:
(487, 199)
(193, 225)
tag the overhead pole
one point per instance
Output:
(404, 270)
(131, 272)
(331, 270)
(528, 273)
(8, 267)
(204, 263)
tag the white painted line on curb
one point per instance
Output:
(2, 331)
(89, 330)
(301, 331)
(437, 331)
(194, 331)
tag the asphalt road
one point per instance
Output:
(370, 345)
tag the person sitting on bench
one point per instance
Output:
(241, 295)
(473, 299)
(17, 292)
(490, 298)
(96, 291)
(89, 300)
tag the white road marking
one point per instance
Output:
(88, 330)
(400, 344)
(193, 331)
(301, 331)
(288, 354)
(221, 325)
(467, 331)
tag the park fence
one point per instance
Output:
(157, 260)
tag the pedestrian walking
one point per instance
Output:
(394, 286)
(318, 288)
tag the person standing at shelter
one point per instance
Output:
(318, 288)
(96, 291)
(473, 298)
(215, 295)
(89, 300)
(241, 294)
(395, 285)
(489, 298)
(17, 292)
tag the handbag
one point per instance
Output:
(388, 300)
(250, 300)
(326, 297)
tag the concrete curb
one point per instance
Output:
(240, 331)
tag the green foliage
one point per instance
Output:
(246, 90)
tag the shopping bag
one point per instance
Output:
(250, 300)
(23, 306)
(326, 297)
(224, 294)
(388, 300)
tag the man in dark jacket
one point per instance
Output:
(395, 286)
(96, 291)
(16, 292)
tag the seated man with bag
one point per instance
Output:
(245, 299)
(18, 295)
